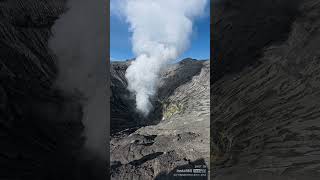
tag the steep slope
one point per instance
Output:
(265, 117)
(177, 131)
(124, 117)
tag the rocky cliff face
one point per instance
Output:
(40, 126)
(265, 114)
(175, 134)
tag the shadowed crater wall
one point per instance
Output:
(264, 107)
(242, 29)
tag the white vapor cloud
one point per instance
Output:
(161, 30)
(78, 41)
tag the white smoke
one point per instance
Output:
(161, 32)
(79, 42)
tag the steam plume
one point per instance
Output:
(161, 31)
(78, 41)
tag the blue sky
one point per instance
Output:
(120, 43)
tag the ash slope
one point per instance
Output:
(177, 131)
(265, 117)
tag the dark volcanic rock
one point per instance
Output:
(265, 118)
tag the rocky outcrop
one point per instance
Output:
(265, 116)
(175, 134)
